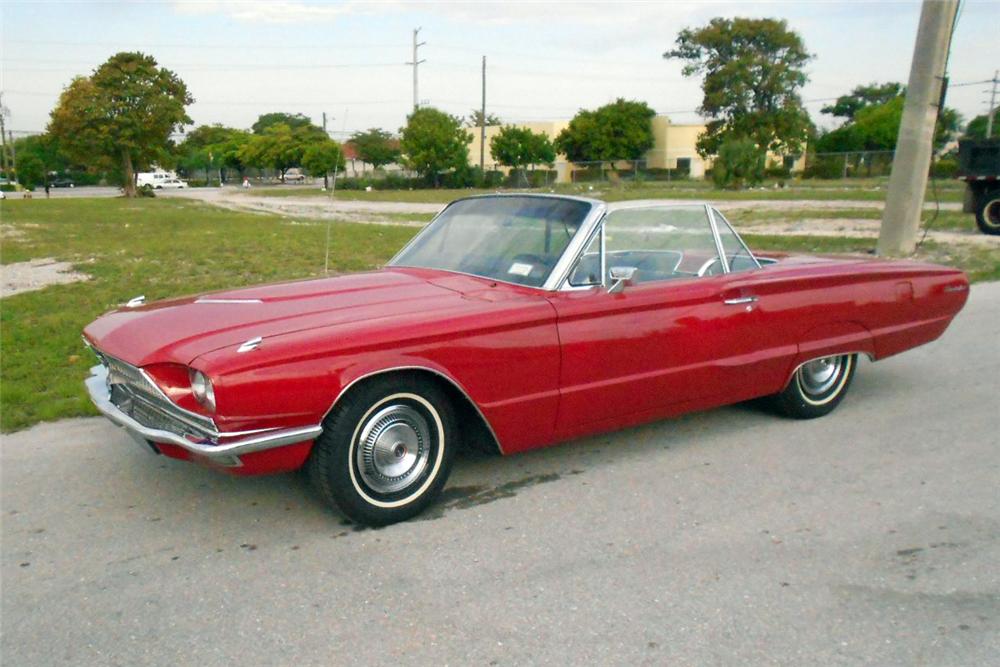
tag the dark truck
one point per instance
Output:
(979, 167)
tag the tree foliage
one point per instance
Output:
(753, 71)
(37, 156)
(518, 147)
(212, 147)
(434, 142)
(739, 163)
(621, 130)
(475, 119)
(280, 146)
(292, 120)
(322, 157)
(123, 113)
(876, 128)
(976, 129)
(874, 94)
(376, 147)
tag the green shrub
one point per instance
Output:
(740, 164)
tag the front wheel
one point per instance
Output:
(816, 387)
(988, 213)
(386, 449)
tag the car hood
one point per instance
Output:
(181, 330)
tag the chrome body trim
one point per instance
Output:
(211, 300)
(741, 300)
(725, 220)
(718, 239)
(454, 383)
(219, 448)
(136, 301)
(250, 345)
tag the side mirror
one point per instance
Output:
(621, 277)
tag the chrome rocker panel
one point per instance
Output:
(222, 453)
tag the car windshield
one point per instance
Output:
(513, 239)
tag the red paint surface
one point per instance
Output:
(541, 366)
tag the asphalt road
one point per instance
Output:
(871, 536)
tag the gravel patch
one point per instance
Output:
(36, 274)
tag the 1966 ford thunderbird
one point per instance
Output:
(512, 322)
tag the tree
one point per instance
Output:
(874, 94)
(433, 142)
(740, 163)
(752, 72)
(876, 128)
(976, 129)
(518, 147)
(376, 147)
(30, 170)
(212, 147)
(37, 156)
(621, 130)
(322, 157)
(292, 120)
(280, 147)
(124, 112)
(475, 119)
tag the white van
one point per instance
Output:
(154, 179)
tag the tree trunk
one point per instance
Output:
(129, 174)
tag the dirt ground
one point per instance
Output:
(36, 274)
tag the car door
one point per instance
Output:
(683, 333)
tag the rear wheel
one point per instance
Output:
(386, 449)
(816, 387)
(988, 213)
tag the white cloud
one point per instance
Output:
(270, 11)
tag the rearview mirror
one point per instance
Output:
(621, 276)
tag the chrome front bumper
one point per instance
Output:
(222, 448)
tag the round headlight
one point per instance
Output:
(202, 389)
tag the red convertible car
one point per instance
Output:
(514, 321)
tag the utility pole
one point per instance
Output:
(326, 177)
(13, 155)
(908, 182)
(3, 138)
(482, 127)
(415, 62)
(993, 103)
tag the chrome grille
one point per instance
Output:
(135, 394)
(120, 372)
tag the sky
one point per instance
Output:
(545, 60)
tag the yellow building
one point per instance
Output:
(674, 147)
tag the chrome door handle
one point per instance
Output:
(740, 301)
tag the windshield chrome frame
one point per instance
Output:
(563, 264)
(710, 214)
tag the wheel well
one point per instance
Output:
(474, 431)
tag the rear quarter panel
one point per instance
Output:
(875, 307)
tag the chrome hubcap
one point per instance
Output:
(817, 377)
(393, 448)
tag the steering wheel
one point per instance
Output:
(710, 268)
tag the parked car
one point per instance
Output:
(62, 183)
(510, 322)
(170, 184)
(294, 175)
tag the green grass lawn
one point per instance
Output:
(860, 189)
(171, 247)
(156, 247)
